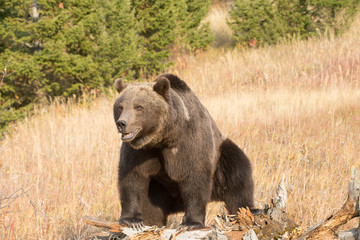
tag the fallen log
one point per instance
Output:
(272, 223)
(152, 232)
(328, 229)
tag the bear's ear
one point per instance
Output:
(119, 85)
(162, 87)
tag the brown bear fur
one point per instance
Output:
(173, 156)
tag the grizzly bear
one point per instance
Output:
(173, 156)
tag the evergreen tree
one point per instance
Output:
(164, 23)
(254, 19)
(334, 15)
(72, 45)
(196, 34)
(270, 21)
(94, 42)
(20, 87)
(157, 22)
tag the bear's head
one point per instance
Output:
(141, 110)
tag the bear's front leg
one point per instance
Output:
(195, 192)
(133, 190)
(135, 169)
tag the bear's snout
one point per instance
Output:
(121, 125)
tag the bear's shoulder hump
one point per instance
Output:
(176, 83)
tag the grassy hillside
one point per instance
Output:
(293, 108)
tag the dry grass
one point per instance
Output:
(68, 155)
(293, 108)
(217, 17)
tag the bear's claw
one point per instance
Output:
(135, 224)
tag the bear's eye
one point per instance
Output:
(139, 108)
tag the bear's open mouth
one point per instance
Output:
(129, 136)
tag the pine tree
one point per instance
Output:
(164, 23)
(196, 34)
(157, 22)
(272, 21)
(73, 45)
(19, 87)
(334, 15)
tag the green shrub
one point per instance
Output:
(334, 15)
(270, 21)
(195, 33)
(157, 23)
(164, 23)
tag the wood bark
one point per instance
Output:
(112, 226)
(328, 229)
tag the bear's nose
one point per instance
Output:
(121, 124)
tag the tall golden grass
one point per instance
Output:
(294, 109)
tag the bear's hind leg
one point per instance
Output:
(233, 181)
